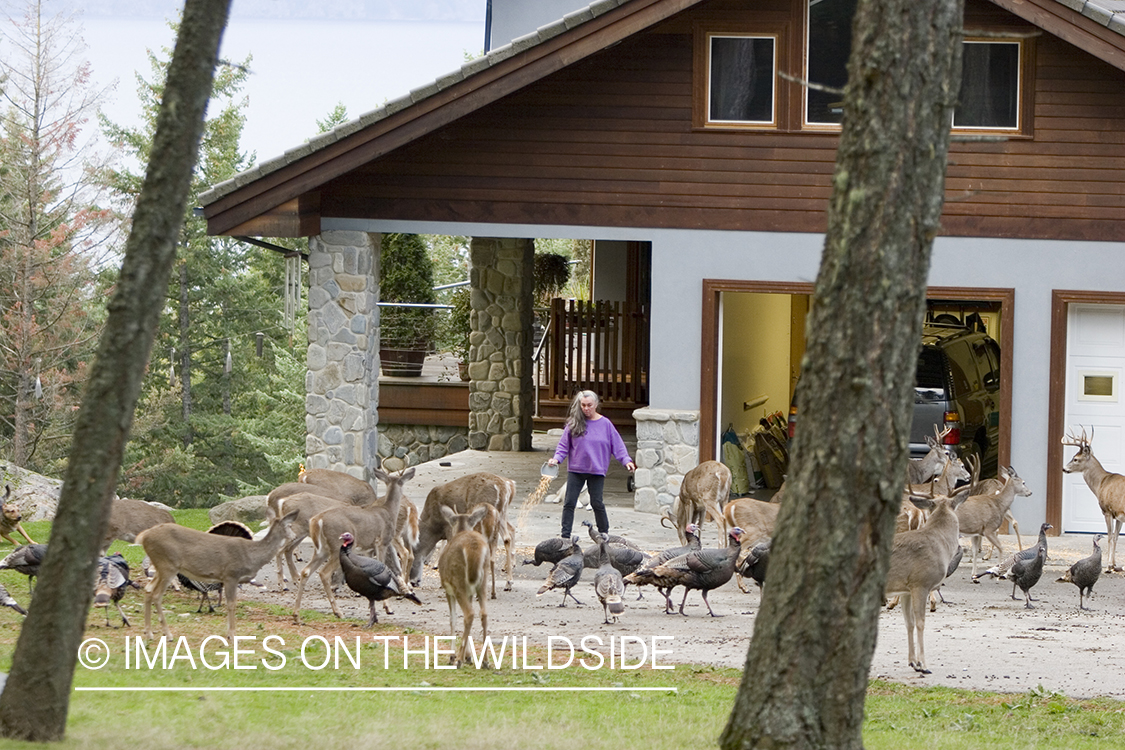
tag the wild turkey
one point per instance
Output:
(1084, 573)
(552, 550)
(25, 559)
(1026, 573)
(608, 584)
(1004, 568)
(113, 580)
(6, 600)
(566, 573)
(755, 563)
(702, 569)
(642, 576)
(613, 538)
(223, 528)
(369, 578)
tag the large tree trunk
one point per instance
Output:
(806, 670)
(34, 703)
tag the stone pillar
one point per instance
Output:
(667, 448)
(500, 385)
(342, 384)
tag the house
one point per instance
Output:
(665, 131)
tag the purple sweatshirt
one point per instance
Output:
(589, 454)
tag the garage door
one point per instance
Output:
(1095, 360)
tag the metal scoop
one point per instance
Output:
(546, 470)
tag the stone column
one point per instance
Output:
(500, 385)
(667, 448)
(342, 384)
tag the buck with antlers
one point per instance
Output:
(1107, 486)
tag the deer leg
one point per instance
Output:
(918, 604)
(230, 587)
(155, 591)
(326, 571)
(465, 600)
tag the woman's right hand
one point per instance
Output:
(552, 462)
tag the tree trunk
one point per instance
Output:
(806, 670)
(185, 356)
(34, 703)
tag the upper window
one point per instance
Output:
(990, 86)
(990, 96)
(741, 69)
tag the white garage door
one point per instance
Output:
(1095, 361)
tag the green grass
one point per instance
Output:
(412, 715)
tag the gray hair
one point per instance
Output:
(575, 419)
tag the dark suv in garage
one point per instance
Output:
(958, 386)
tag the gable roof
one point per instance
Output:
(278, 197)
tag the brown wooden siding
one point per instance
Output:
(609, 141)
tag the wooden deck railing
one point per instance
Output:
(599, 346)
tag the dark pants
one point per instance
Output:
(594, 483)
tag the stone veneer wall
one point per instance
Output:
(667, 448)
(501, 398)
(342, 384)
(403, 445)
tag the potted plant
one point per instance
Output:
(405, 333)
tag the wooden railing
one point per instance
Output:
(599, 346)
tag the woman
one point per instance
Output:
(589, 440)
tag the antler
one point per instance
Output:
(1082, 442)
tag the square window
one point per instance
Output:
(990, 86)
(741, 79)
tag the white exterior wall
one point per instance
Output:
(681, 259)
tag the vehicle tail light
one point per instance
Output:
(953, 423)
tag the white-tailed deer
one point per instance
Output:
(460, 495)
(374, 528)
(919, 563)
(919, 470)
(407, 537)
(463, 570)
(1107, 486)
(128, 518)
(206, 557)
(981, 515)
(702, 494)
(306, 505)
(498, 531)
(338, 484)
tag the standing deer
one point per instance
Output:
(206, 557)
(981, 515)
(702, 494)
(1108, 488)
(374, 528)
(463, 569)
(919, 563)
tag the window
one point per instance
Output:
(991, 80)
(740, 79)
(990, 86)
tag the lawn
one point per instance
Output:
(333, 683)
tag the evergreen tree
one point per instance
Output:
(217, 342)
(51, 232)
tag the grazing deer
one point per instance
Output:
(463, 570)
(374, 528)
(703, 493)
(128, 518)
(461, 495)
(1108, 488)
(206, 557)
(10, 520)
(919, 563)
(338, 484)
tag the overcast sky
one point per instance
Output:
(308, 55)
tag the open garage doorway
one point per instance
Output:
(753, 342)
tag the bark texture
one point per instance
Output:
(806, 670)
(34, 703)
